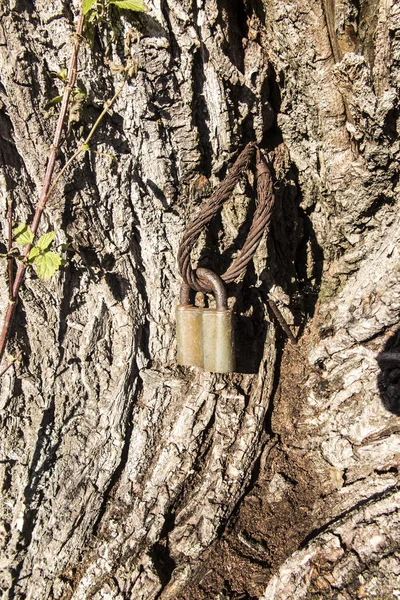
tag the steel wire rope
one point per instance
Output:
(260, 223)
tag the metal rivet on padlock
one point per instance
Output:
(189, 331)
(218, 335)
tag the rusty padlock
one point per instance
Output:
(205, 335)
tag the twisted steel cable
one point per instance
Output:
(260, 224)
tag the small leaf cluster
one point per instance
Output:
(46, 261)
(100, 14)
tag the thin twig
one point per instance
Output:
(71, 79)
(10, 259)
(83, 147)
(10, 364)
(6, 368)
(105, 110)
(282, 321)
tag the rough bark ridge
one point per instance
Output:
(348, 160)
(118, 468)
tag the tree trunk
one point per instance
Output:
(125, 476)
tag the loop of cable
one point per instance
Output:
(260, 224)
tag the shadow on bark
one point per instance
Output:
(295, 257)
(389, 377)
(250, 332)
(309, 265)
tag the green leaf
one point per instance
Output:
(136, 5)
(33, 254)
(87, 5)
(92, 17)
(63, 75)
(77, 92)
(14, 253)
(23, 234)
(45, 240)
(53, 102)
(47, 263)
(67, 247)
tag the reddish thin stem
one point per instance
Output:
(71, 78)
(10, 260)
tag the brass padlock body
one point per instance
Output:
(205, 336)
(189, 335)
(218, 341)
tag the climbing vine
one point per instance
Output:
(39, 254)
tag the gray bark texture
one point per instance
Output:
(123, 475)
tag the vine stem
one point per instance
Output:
(10, 261)
(44, 194)
(84, 146)
(10, 364)
(4, 371)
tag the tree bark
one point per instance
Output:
(123, 474)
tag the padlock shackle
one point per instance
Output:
(216, 283)
(184, 296)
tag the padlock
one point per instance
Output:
(205, 336)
